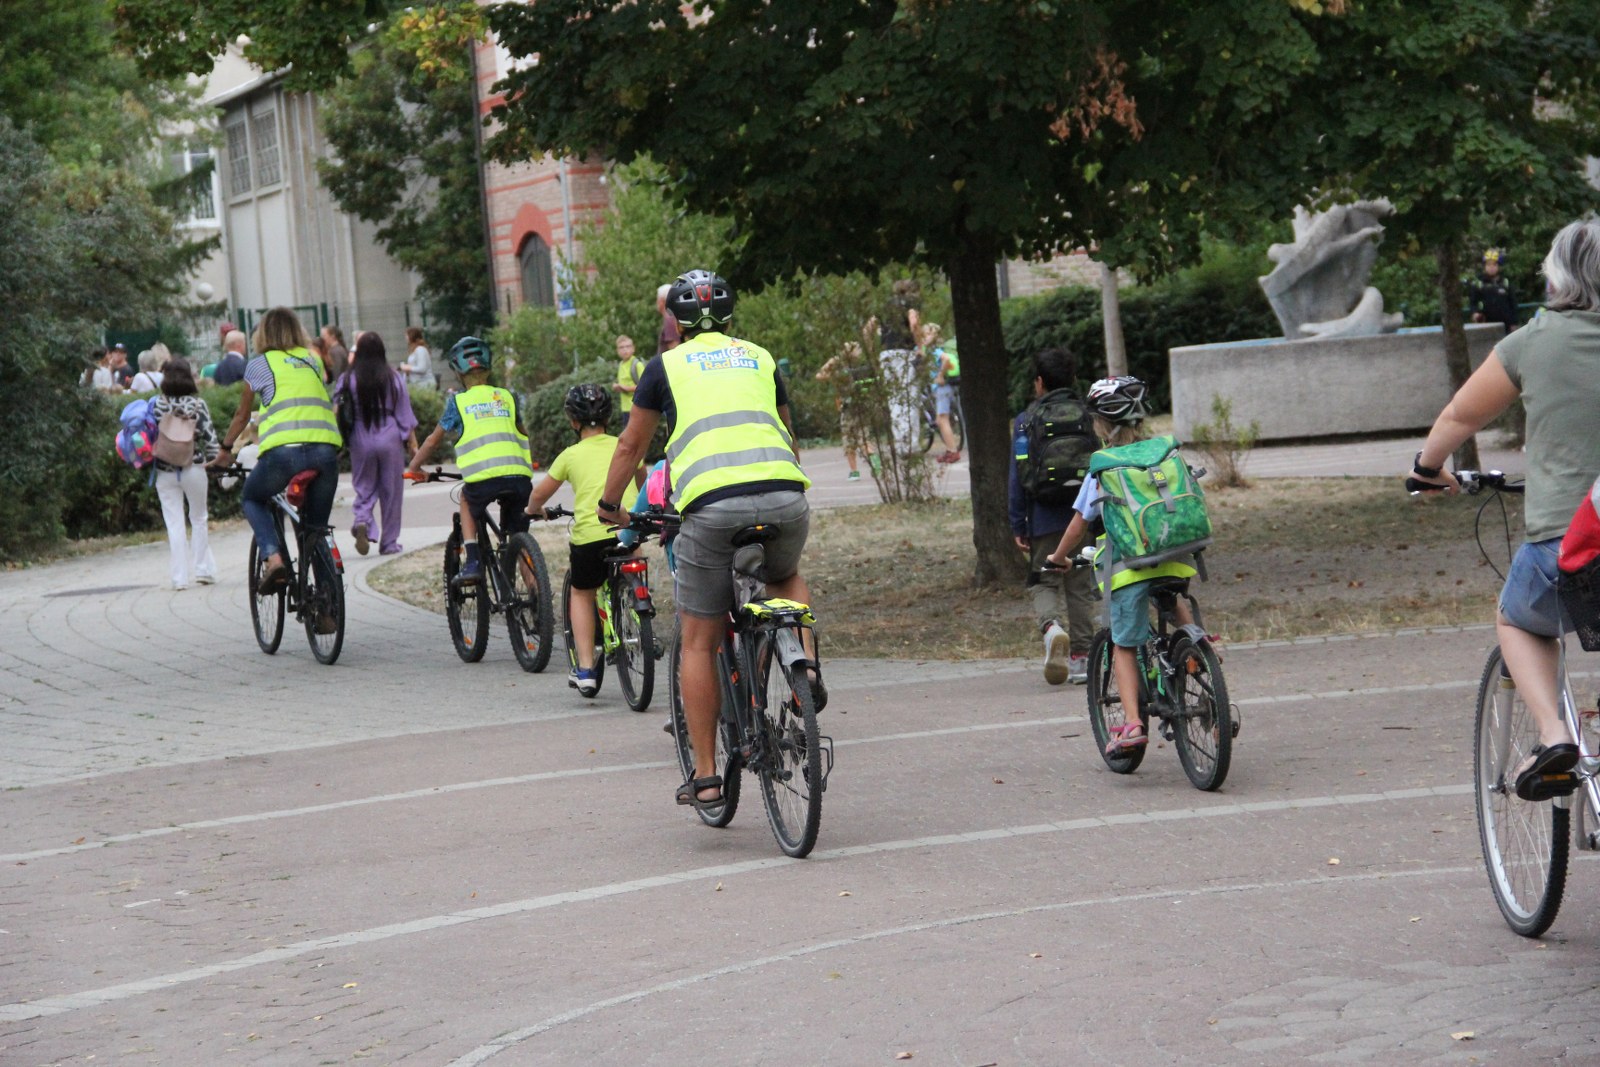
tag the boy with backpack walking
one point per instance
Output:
(1155, 520)
(1053, 440)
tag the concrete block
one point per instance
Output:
(1321, 388)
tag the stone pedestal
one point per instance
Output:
(1321, 388)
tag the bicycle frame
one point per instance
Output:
(626, 576)
(1588, 828)
(304, 537)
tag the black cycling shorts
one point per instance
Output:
(587, 562)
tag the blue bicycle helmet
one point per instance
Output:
(471, 353)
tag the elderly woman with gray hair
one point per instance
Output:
(1553, 364)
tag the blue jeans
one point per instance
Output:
(273, 470)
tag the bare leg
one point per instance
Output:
(1532, 661)
(580, 609)
(946, 432)
(1125, 668)
(702, 700)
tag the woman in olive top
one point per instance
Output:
(298, 432)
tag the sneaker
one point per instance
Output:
(471, 571)
(363, 537)
(206, 579)
(853, 476)
(583, 680)
(1055, 654)
(327, 624)
(1078, 669)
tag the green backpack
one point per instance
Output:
(1151, 504)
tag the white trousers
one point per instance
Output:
(898, 366)
(190, 551)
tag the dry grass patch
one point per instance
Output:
(1292, 558)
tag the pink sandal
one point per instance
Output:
(1128, 735)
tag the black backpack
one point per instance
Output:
(1053, 448)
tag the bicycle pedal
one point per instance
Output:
(1549, 786)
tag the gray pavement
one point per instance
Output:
(211, 855)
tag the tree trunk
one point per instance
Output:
(1111, 314)
(1457, 360)
(975, 299)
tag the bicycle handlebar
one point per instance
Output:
(1072, 564)
(438, 474)
(1472, 483)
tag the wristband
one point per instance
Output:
(1425, 472)
(226, 447)
(606, 505)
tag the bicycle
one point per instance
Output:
(1180, 684)
(515, 584)
(768, 722)
(624, 627)
(314, 593)
(1525, 843)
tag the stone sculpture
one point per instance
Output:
(1319, 287)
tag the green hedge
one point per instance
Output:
(1218, 301)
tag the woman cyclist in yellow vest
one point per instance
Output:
(297, 432)
(491, 453)
(734, 463)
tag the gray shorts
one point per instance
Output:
(704, 547)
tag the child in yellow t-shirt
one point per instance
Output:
(585, 465)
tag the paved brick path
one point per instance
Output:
(214, 856)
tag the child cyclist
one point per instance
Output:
(491, 451)
(584, 464)
(1118, 407)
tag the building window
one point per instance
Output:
(194, 162)
(538, 287)
(264, 142)
(238, 157)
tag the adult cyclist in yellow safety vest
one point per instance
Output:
(491, 453)
(297, 432)
(732, 455)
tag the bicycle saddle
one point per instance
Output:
(759, 534)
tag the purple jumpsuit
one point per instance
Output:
(378, 462)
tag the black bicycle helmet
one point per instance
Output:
(590, 404)
(700, 300)
(1119, 400)
(471, 353)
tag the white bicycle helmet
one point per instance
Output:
(1119, 400)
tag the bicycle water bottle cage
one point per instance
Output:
(296, 493)
(780, 611)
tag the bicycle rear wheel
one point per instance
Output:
(529, 620)
(958, 422)
(636, 642)
(1106, 711)
(1524, 844)
(1204, 729)
(790, 768)
(266, 608)
(465, 606)
(599, 634)
(324, 604)
(727, 758)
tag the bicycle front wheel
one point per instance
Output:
(324, 602)
(466, 607)
(1524, 844)
(791, 758)
(958, 423)
(727, 757)
(636, 643)
(1106, 710)
(266, 607)
(529, 619)
(1204, 726)
(599, 634)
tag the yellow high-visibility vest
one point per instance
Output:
(727, 431)
(300, 412)
(491, 446)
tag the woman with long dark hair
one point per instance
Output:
(382, 441)
(182, 480)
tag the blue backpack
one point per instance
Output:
(136, 441)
